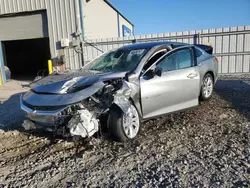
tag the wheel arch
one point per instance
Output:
(116, 107)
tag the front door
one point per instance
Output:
(176, 89)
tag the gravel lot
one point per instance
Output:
(204, 147)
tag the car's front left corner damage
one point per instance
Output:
(85, 115)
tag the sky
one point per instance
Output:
(159, 16)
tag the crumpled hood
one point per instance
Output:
(54, 83)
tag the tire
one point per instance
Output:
(207, 87)
(119, 123)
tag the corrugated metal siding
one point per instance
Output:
(61, 22)
(18, 27)
(231, 45)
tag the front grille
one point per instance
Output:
(43, 108)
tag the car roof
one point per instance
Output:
(149, 45)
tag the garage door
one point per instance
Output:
(23, 26)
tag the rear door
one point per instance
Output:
(176, 89)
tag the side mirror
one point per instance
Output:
(152, 72)
(158, 71)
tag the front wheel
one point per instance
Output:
(123, 127)
(207, 87)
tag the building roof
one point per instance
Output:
(118, 12)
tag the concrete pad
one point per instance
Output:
(11, 88)
(11, 115)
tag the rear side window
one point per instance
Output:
(198, 53)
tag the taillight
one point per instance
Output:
(216, 59)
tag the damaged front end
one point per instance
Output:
(76, 107)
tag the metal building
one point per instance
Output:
(108, 21)
(34, 31)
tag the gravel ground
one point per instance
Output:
(204, 147)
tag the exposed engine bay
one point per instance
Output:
(78, 107)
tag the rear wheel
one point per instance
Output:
(207, 87)
(123, 127)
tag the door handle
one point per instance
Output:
(192, 75)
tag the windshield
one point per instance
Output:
(117, 61)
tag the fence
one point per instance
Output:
(231, 45)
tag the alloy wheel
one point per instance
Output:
(208, 86)
(131, 123)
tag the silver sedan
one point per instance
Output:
(122, 87)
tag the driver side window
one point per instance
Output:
(169, 63)
(153, 59)
(178, 60)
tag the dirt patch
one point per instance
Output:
(204, 147)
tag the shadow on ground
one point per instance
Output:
(236, 92)
(11, 114)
